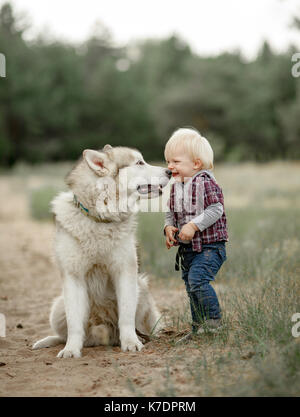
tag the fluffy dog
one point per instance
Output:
(104, 299)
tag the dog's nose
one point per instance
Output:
(169, 173)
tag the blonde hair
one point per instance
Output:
(192, 143)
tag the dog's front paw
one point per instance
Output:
(131, 344)
(69, 353)
(38, 345)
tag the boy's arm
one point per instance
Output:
(169, 220)
(213, 199)
(169, 215)
(209, 216)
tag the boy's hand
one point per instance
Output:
(187, 232)
(170, 231)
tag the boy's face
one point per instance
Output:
(182, 166)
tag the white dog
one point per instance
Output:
(104, 298)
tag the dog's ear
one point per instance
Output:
(97, 161)
(107, 148)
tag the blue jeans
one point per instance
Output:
(198, 269)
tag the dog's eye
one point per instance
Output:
(140, 163)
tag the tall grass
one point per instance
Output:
(260, 293)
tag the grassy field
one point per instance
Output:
(258, 286)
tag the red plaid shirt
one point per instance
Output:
(212, 194)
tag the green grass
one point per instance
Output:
(40, 202)
(258, 242)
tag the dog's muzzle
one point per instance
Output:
(155, 188)
(148, 188)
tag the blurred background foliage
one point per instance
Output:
(59, 98)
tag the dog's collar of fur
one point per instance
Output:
(86, 212)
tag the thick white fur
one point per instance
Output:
(104, 298)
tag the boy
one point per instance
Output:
(197, 218)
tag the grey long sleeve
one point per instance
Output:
(209, 216)
(168, 219)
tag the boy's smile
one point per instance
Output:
(182, 166)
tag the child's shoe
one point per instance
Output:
(209, 326)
